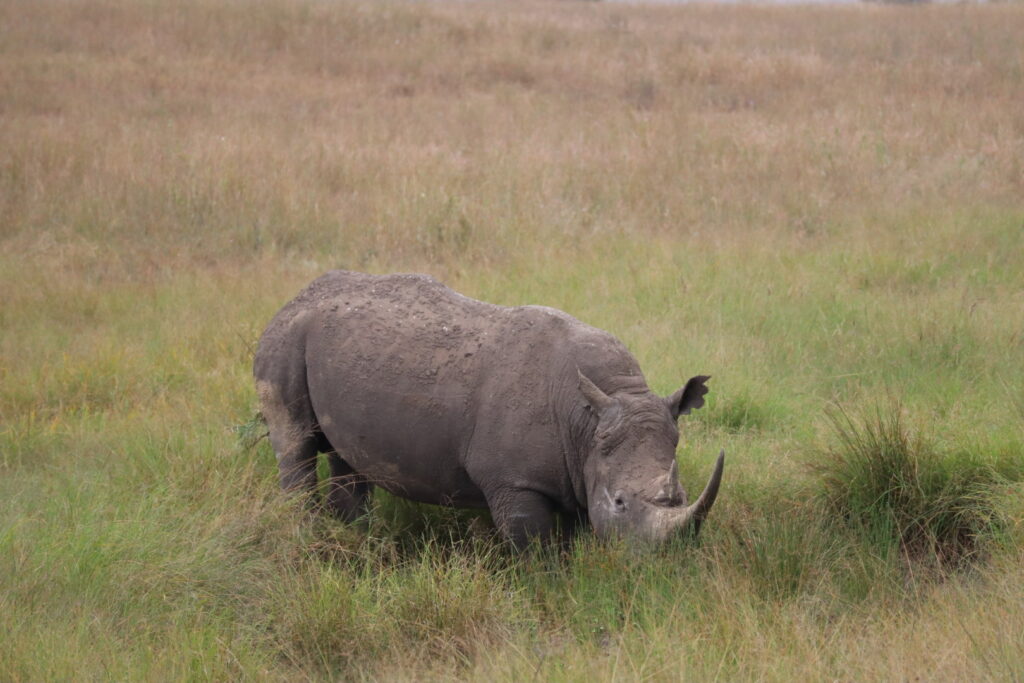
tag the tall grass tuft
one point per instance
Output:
(900, 487)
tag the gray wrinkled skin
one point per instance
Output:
(442, 399)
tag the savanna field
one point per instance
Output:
(821, 207)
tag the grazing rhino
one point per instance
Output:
(439, 398)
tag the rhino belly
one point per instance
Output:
(404, 441)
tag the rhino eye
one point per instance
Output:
(620, 504)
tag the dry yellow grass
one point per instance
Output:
(215, 130)
(809, 203)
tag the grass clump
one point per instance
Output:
(897, 486)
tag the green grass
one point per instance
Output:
(149, 532)
(818, 207)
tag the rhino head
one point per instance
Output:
(630, 473)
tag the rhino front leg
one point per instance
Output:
(522, 515)
(572, 524)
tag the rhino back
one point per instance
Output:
(392, 374)
(433, 395)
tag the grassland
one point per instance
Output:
(822, 207)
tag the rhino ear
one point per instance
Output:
(597, 399)
(689, 397)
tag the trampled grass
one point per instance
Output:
(817, 206)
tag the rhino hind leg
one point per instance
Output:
(347, 490)
(293, 435)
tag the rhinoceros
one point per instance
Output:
(440, 398)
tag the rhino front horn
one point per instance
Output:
(698, 512)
